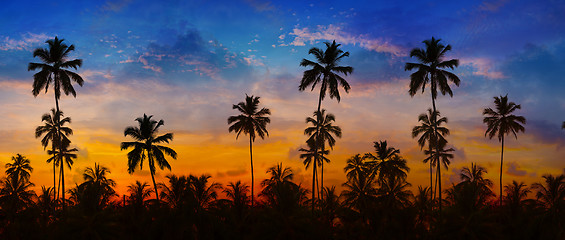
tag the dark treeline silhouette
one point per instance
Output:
(376, 203)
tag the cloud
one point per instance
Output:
(26, 41)
(260, 6)
(333, 32)
(482, 67)
(515, 170)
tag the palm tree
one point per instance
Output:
(97, 177)
(61, 157)
(139, 192)
(313, 156)
(176, 193)
(15, 194)
(204, 195)
(430, 69)
(552, 192)
(428, 133)
(515, 195)
(322, 131)
(252, 122)
(440, 155)
(356, 166)
(325, 71)
(54, 69)
(359, 193)
(145, 146)
(19, 168)
(279, 190)
(53, 128)
(474, 176)
(236, 194)
(502, 122)
(387, 163)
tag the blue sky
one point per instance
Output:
(187, 61)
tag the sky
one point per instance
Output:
(188, 62)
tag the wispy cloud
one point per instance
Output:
(26, 41)
(333, 32)
(483, 67)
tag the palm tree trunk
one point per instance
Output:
(54, 171)
(313, 184)
(154, 184)
(63, 181)
(252, 176)
(433, 88)
(501, 160)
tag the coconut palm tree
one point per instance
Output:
(63, 156)
(440, 155)
(176, 193)
(356, 166)
(96, 178)
(237, 195)
(500, 121)
(53, 128)
(205, 194)
(54, 69)
(313, 156)
(552, 192)
(325, 71)
(428, 134)
(279, 190)
(146, 147)
(430, 70)
(516, 193)
(387, 163)
(321, 132)
(474, 176)
(15, 194)
(19, 168)
(139, 192)
(252, 122)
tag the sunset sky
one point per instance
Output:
(187, 62)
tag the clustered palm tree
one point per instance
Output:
(252, 121)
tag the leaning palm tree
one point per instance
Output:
(54, 69)
(321, 132)
(252, 122)
(428, 134)
(53, 128)
(500, 121)
(63, 156)
(313, 156)
(19, 168)
(146, 147)
(440, 156)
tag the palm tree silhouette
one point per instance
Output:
(313, 156)
(252, 122)
(53, 128)
(325, 71)
(139, 192)
(356, 166)
(63, 156)
(387, 164)
(552, 192)
(440, 155)
(204, 194)
(236, 194)
(502, 122)
(475, 177)
(97, 176)
(322, 131)
(430, 70)
(516, 193)
(176, 193)
(145, 146)
(15, 195)
(428, 134)
(19, 168)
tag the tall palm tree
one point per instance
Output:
(387, 163)
(440, 155)
(500, 121)
(53, 128)
(54, 69)
(19, 168)
(146, 146)
(252, 122)
(63, 156)
(313, 156)
(325, 71)
(321, 132)
(428, 134)
(430, 69)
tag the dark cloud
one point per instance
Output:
(515, 170)
(546, 132)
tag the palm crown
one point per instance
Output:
(501, 121)
(51, 123)
(322, 128)
(251, 121)
(325, 71)
(54, 68)
(430, 69)
(426, 129)
(19, 168)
